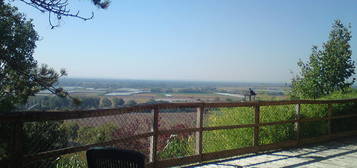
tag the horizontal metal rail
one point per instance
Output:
(34, 116)
(29, 116)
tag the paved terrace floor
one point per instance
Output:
(335, 154)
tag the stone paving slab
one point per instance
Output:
(336, 154)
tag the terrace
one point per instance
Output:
(174, 134)
(333, 154)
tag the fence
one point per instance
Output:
(172, 134)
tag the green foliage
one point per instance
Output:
(316, 128)
(71, 130)
(44, 136)
(345, 124)
(228, 139)
(347, 94)
(230, 116)
(276, 133)
(89, 103)
(76, 160)
(117, 102)
(5, 129)
(37, 137)
(329, 68)
(49, 133)
(219, 140)
(105, 102)
(83, 135)
(237, 138)
(36, 103)
(177, 147)
(90, 135)
(151, 101)
(20, 76)
(131, 103)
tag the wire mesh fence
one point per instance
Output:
(313, 110)
(73, 160)
(176, 145)
(45, 136)
(141, 145)
(277, 113)
(111, 130)
(177, 133)
(177, 118)
(314, 128)
(50, 135)
(220, 140)
(344, 124)
(228, 116)
(276, 133)
(6, 142)
(173, 145)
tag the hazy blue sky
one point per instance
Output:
(229, 40)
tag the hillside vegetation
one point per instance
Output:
(236, 138)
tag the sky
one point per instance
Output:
(199, 40)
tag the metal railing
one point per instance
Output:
(18, 158)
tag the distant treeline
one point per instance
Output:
(184, 90)
(116, 83)
(272, 92)
(87, 102)
(40, 103)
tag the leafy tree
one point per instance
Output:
(43, 136)
(89, 102)
(20, 78)
(117, 102)
(328, 69)
(131, 103)
(20, 75)
(151, 101)
(105, 102)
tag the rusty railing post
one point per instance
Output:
(256, 128)
(154, 137)
(297, 123)
(199, 125)
(16, 145)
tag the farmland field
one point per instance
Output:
(98, 93)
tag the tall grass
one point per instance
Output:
(228, 139)
(243, 137)
(236, 138)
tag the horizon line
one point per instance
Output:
(173, 80)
